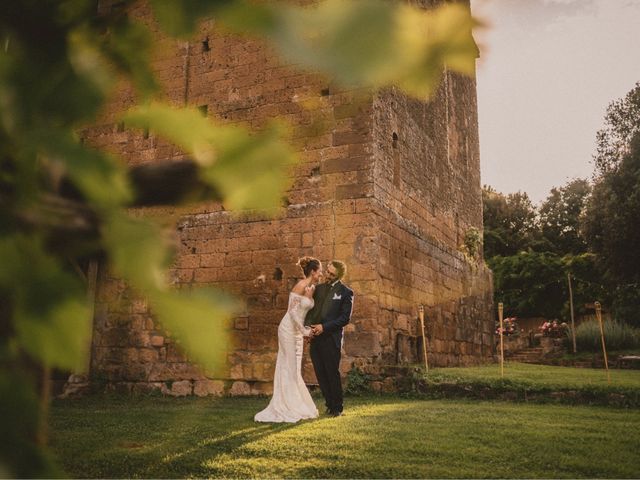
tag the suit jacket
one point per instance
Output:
(332, 308)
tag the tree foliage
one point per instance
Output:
(603, 219)
(560, 217)
(534, 284)
(62, 201)
(612, 226)
(621, 124)
(510, 222)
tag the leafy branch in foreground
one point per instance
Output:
(63, 202)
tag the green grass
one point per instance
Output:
(379, 437)
(525, 382)
(612, 354)
(545, 375)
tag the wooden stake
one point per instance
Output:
(92, 281)
(500, 312)
(42, 434)
(424, 337)
(604, 348)
(573, 323)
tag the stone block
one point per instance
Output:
(181, 388)
(389, 385)
(146, 388)
(240, 389)
(241, 323)
(203, 388)
(356, 190)
(148, 355)
(134, 372)
(157, 340)
(362, 344)
(262, 388)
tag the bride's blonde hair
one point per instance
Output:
(308, 265)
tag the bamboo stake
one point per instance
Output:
(92, 282)
(424, 337)
(42, 434)
(604, 348)
(500, 312)
(573, 323)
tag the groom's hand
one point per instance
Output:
(317, 329)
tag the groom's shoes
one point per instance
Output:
(336, 414)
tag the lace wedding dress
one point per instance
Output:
(291, 400)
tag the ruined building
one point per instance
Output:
(392, 188)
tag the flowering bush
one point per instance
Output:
(510, 327)
(554, 329)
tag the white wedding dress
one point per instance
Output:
(291, 399)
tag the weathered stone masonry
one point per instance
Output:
(391, 188)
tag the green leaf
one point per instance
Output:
(137, 251)
(50, 315)
(371, 43)
(186, 127)
(249, 170)
(22, 456)
(99, 176)
(128, 45)
(88, 61)
(199, 321)
(180, 17)
(60, 338)
(198, 318)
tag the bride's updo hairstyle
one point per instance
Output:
(308, 265)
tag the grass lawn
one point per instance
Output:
(545, 375)
(386, 437)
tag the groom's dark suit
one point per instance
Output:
(332, 308)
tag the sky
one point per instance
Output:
(547, 71)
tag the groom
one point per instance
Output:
(330, 313)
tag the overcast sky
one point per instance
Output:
(547, 71)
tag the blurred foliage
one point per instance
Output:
(60, 61)
(371, 43)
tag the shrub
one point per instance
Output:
(617, 336)
(554, 329)
(510, 327)
(358, 382)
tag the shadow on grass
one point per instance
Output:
(379, 437)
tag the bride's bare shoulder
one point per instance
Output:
(299, 288)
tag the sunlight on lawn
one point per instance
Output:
(547, 374)
(379, 437)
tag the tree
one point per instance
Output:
(560, 217)
(62, 201)
(622, 123)
(510, 222)
(534, 284)
(612, 228)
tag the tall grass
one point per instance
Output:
(618, 336)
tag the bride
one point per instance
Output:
(291, 400)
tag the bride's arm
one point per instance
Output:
(298, 319)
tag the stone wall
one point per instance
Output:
(394, 207)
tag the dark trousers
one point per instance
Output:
(325, 356)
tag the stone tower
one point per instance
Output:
(392, 188)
